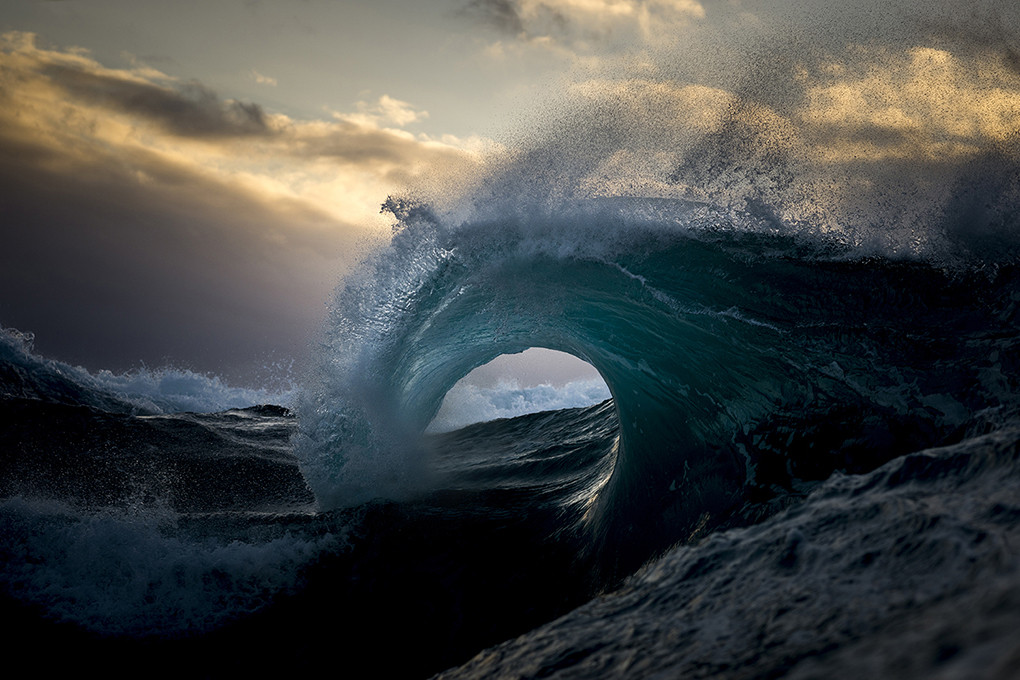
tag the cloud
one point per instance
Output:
(190, 109)
(152, 219)
(385, 111)
(73, 106)
(918, 103)
(584, 26)
(503, 15)
(263, 79)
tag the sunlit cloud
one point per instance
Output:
(386, 111)
(583, 26)
(919, 103)
(345, 165)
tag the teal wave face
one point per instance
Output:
(737, 362)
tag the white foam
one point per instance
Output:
(130, 571)
(163, 390)
(173, 390)
(467, 403)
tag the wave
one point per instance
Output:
(740, 358)
(133, 571)
(771, 285)
(466, 404)
(919, 551)
(25, 374)
(777, 289)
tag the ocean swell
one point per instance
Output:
(803, 264)
(739, 360)
(27, 375)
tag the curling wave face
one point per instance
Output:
(798, 258)
(717, 338)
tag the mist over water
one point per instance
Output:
(885, 127)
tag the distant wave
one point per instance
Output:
(466, 403)
(161, 390)
(173, 390)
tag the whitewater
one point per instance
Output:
(803, 460)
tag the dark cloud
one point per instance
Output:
(110, 272)
(502, 15)
(582, 26)
(192, 110)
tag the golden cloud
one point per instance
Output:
(77, 112)
(921, 103)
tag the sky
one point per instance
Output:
(185, 183)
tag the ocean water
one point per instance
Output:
(805, 465)
(809, 458)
